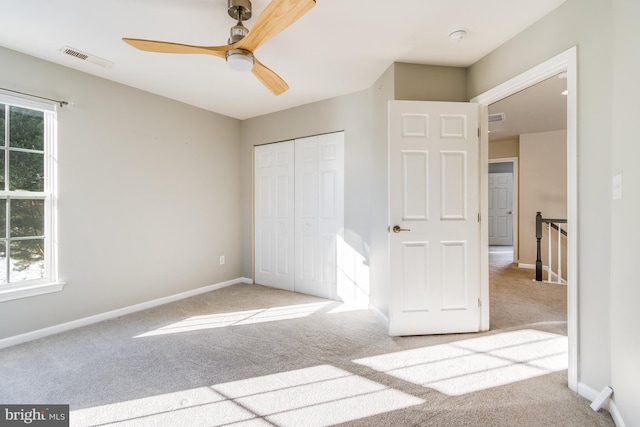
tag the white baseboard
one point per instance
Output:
(615, 414)
(63, 327)
(554, 275)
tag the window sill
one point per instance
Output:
(9, 293)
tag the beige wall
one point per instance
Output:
(504, 148)
(414, 82)
(148, 196)
(625, 229)
(543, 188)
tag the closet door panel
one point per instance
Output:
(306, 211)
(330, 209)
(319, 212)
(274, 215)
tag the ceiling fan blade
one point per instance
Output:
(168, 47)
(271, 80)
(277, 16)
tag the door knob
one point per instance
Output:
(397, 229)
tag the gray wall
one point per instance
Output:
(349, 113)
(148, 196)
(625, 230)
(503, 167)
(115, 249)
(382, 91)
(587, 24)
(363, 117)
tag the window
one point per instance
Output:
(27, 173)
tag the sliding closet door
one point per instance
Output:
(274, 215)
(319, 212)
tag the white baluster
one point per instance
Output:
(559, 253)
(549, 253)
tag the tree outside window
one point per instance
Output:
(23, 196)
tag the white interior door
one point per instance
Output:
(501, 208)
(434, 202)
(274, 215)
(319, 212)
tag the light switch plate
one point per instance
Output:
(617, 186)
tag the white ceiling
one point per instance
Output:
(339, 47)
(539, 108)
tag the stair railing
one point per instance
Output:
(557, 225)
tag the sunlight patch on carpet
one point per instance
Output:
(476, 364)
(345, 308)
(195, 407)
(238, 318)
(317, 396)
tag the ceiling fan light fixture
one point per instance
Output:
(240, 59)
(274, 18)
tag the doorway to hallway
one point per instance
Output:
(566, 64)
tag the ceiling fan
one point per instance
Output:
(277, 16)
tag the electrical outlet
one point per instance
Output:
(222, 260)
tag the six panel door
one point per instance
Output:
(500, 208)
(274, 215)
(434, 205)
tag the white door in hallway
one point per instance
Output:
(434, 206)
(274, 215)
(501, 208)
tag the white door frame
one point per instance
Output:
(515, 204)
(567, 62)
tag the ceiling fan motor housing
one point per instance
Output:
(239, 9)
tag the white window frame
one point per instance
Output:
(49, 283)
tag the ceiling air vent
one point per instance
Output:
(497, 117)
(86, 57)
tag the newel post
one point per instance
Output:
(538, 250)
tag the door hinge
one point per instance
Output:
(478, 132)
(478, 216)
(479, 303)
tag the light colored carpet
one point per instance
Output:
(249, 355)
